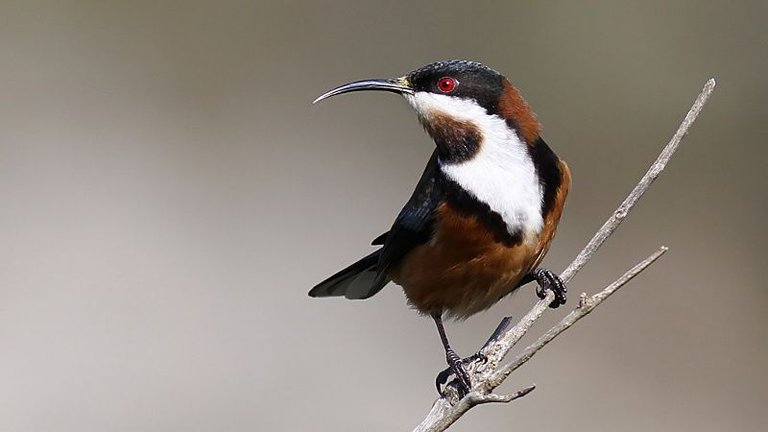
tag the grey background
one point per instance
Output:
(168, 195)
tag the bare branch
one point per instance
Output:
(486, 377)
(656, 168)
(586, 305)
(443, 413)
(497, 398)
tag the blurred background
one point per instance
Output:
(168, 196)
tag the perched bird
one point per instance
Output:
(484, 211)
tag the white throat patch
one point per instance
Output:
(501, 174)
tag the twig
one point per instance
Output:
(488, 376)
(586, 305)
(656, 168)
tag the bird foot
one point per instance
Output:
(457, 367)
(548, 280)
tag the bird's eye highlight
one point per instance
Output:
(447, 84)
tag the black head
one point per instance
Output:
(451, 89)
(460, 78)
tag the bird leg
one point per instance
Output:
(455, 363)
(443, 376)
(548, 280)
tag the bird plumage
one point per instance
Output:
(482, 215)
(486, 207)
(355, 282)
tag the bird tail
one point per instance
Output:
(358, 281)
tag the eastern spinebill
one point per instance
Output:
(484, 212)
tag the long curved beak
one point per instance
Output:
(398, 85)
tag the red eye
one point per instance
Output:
(447, 84)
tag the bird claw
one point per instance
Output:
(457, 367)
(548, 280)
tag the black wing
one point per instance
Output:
(353, 282)
(378, 241)
(414, 224)
(412, 227)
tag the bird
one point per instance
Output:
(484, 212)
